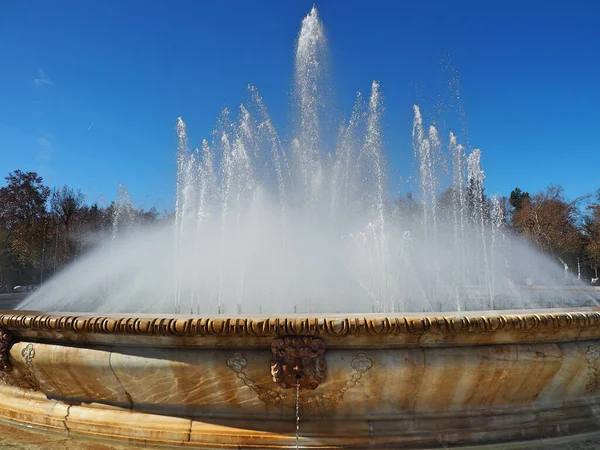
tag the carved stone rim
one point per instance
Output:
(573, 322)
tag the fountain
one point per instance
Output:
(292, 302)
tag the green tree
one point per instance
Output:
(518, 198)
(23, 219)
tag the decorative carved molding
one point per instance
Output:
(360, 364)
(303, 326)
(591, 356)
(28, 379)
(5, 341)
(11, 375)
(298, 360)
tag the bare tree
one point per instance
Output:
(65, 204)
(591, 231)
(551, 223)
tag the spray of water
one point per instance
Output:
(123, 217)
(262, 225)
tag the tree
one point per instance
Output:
(147, 217)
(591, 230)
(23, 218)
(518, 198)
(95, 219)
(477, 204)
(42, 230)
(65, 203)
(9, 265)
(23, 199)
(550, 222)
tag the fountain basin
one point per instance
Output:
(414, 381)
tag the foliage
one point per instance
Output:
(591, 230)
(23, 218)
(41, 230)
(550, 222)
(65, 203)
(518, 198)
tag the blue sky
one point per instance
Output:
(90, 91)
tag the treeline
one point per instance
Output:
(568, 231)
(42, 229)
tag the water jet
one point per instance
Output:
(309, 289)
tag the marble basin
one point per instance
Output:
(411, 381)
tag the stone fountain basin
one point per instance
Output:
(414, 381)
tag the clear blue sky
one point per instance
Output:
(90, 90)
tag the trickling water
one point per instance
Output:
(266, 224)
(297, 411)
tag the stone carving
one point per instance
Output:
(237, 363)
(298, 359)
(591, 356)
(5, 341)
(317, 326)
(282, 399)
(10, 375)
(28, 380)
(28, 353)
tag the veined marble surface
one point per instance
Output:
(14, 437)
